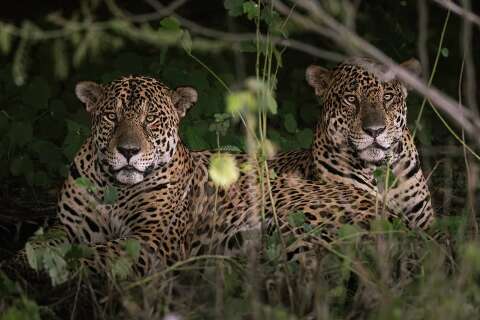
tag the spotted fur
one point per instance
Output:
(363, 125)
(165, 198)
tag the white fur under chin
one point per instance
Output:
(372, 154)
(129, 177)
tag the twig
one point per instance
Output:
(464, 117)
(455, 8)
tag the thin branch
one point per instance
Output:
(455, 8)
(344, 37)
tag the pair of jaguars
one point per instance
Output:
(168, 204)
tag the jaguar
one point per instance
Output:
(363, 126)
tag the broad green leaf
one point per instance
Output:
(121, 267)
(348, 230)
(132, 247)
(234, 7)
(41, 179)
(23, 309)
(305, 138)
(20, 133)
(445, 52)
(21, 165)
(84, 182)
(55, 264)
(290, 123)
(76, 135)
(252, 10)
(271, 103)
(111, 195)
(296, 219)
(170, 23)
(36, 94)
(238, 102)
(33, 256)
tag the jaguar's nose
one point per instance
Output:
(128, 151)
(374, 130)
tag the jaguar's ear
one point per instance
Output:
(89, 93)
(184, 98)
(318, 78)
(412, 65)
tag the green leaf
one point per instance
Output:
(36, 93)
(305, 138)
(21, 165)
(252, 10)
(76, 135)
(445, 52)
(111, 195)
(60, 59)
(170, 23)
(5, 38)
(84, 182)
(79, 251)
(132, 247)
(234, 7)
(290, 123)
(121, 267)
(41, 179)
(186, 41)
(20, 58)
(271, 103)
(33, 256)
(55, 264)
(348, 231)
(23, 309)
(237, 102)
(296, 219)
(20, 133)
(47, 152)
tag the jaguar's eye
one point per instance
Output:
(350, 98)
(387, 97)
(111, 116)
(150, 119)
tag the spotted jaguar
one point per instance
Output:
(363, 126)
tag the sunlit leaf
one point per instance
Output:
(238, 102)
(5, 38)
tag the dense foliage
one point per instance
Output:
(395, 274)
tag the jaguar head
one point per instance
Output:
(364, 105)
(135, 123)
